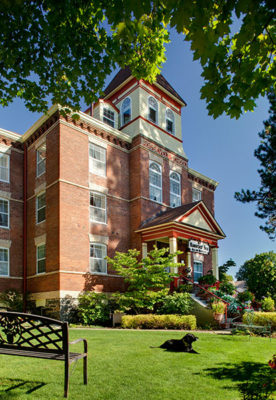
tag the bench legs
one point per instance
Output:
(66, 379)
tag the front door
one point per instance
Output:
(198, 270)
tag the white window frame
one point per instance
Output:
(104, 262)
(40, 162)
(104, 210)
(171, 119)
(196, 195)
(155, 109)
(38, 209)
(40, 259)
(172, 194)
(5, 168)
(8, 261)
(108, 120)
(151, 185)
(94, 162)
(194, 264)
(128, 108)
(8, 214)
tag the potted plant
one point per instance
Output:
(218, 308)
(272, 362)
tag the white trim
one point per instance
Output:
(121, 111)
(8, 168)
(93, 160)
(154, 186)
(40, 239)
(178, 196)
(100, 208)
(8, 261)
(41, 188)
(157, 110)
(97, 142)
(43, 161)
(5, 195)
(97, 188)
(39, 259)
(119, 87)
(95, 258)
(5, 243)
(5, 149)
(37, 209)
(154, 157)
(171, 120)
(39, 122)
(196, 193)
(9, 134)
(98, 239)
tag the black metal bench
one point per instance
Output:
(30, 335)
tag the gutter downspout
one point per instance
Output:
(25, 231)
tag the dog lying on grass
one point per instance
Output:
(184, 344)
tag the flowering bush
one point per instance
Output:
(268, 304)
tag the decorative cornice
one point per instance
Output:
(202, 179)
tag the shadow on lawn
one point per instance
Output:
(9, 386)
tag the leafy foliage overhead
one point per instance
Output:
(65, 49)
(260, 275)
(265, 197)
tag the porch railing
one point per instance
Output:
(178, 279)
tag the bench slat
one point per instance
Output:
(38, 354)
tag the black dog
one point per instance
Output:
(184, 344)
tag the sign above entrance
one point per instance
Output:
(198, 247)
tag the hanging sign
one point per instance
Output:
(198, 247)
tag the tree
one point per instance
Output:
(223, 269)
(265, 197)
(259, 274)
(147, 279)
(65, 49)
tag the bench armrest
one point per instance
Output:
(81, 340)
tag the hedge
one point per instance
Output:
(263, 318)
(153, 321)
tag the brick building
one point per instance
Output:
(74, 191)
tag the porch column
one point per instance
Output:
(144, 250)
(215, 262)
(173, 249)
(189, 264)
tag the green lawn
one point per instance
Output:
(122, 366)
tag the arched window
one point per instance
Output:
(170, 122)
(175, 189)
(126, 111)
(153, 110)
(155, 182)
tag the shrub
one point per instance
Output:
(218, 307)
(227, 288)
(151, 321)
(268, 304)
(262, 318)
(185, 288)
(176, 303)
(245, 296)
(12, 299)
(208, 279)
(93, 308)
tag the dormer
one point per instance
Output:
(106, 111)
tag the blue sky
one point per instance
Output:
(221, 149)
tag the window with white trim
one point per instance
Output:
(170, 121)
(40, 160)
(153, 110)
(98, 207)
(155, 182)
(41, 208)
(4, 262)
(4, 167)
(98, 262)
(126, 111)
(97, 159)
(175, 189)
(196, 194)
(198, 270)
(4, 213)
(41, 259)
(108, 116)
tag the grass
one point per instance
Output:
(122, 366)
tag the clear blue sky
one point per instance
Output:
(221, 149)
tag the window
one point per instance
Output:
(4, 262)
(4, 167)
(41, 259)
(98, 207)
(41, 208)
(108, 117)
(40, 160)
(97, 258)
(175, 192)
(153, 110)
(4, 213)
(126, 111)
(155, 182)
(170, 121)
(97, 160)
(196, 194)
(198, 270)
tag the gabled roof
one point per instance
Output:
(125, 73)
(193, 214)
